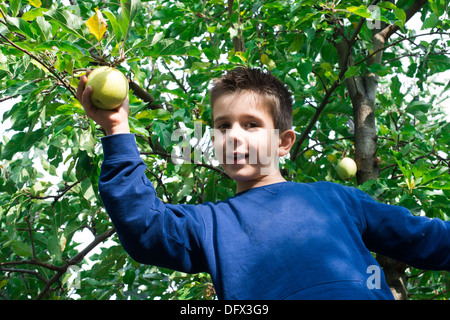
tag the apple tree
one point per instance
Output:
(369, 80)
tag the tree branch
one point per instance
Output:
(395, 43)
(61, 193)
(314, 119)
(31, 262)
(144, 95)
(33, 272)
(76, 259)
(322, 143)
(30, 233)
(238, 40)
(60, 270)
(344, 67)
(410, 12)
(181, 85)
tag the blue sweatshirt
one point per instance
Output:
(282, 241)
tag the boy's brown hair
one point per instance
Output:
(274, 93)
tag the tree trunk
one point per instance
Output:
(362, 91)
(394, 272)
(366, 137)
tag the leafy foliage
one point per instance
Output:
(171, 51)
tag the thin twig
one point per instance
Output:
(31, 237)
(55, 198)
(397, 42)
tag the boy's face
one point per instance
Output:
(246, 142)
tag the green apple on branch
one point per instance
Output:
(346, 168)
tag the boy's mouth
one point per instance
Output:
(237, 158)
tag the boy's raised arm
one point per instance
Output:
(149, 231)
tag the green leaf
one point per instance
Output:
(437, 7)
(129, 276)
(360, 11)
(434, 174)
(380, 69)
(14, 6)
(401, 16)
(386, 5)
(35, 3)
(38, 189)
(57, 45)
(69, 22)
(20, 88)
(20, 26)
(33, 14)
(87, 142)
(305, 68)
(86, 190)
(430, 22)
(22, 249)
(54, 247)
(165, 137)
(439, 185)
(268, 62)
(419, 109)
(173, 47)
(156, 38)
(438, 63)
(43, 28)
(114, 24)
(166, 14)
(352, 71)
(149, 116)
(338, 107)
(129, 10)
(21, 141)
(104, 267)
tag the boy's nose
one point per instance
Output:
(235, 135)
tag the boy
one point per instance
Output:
(274, 239)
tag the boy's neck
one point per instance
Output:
(263, 181)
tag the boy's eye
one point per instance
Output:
(223, 126)
(252, 125)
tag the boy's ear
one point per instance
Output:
(287, 139)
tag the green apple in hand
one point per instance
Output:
(109, 87)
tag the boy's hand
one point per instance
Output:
(112, 121)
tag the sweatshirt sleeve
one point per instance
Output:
(151, 232)
(393, 231)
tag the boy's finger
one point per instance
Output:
(80, 88)
(82, 84)
(86, 99)
(126, 104)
